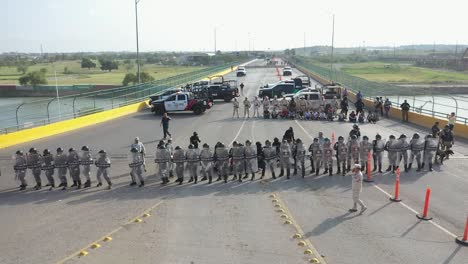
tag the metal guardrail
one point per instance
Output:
(435, 105)
(50, 110)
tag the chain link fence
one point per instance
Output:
(422, 103)
(46, 111)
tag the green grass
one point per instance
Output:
(403, 73)
(9, 75)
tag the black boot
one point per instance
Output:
(235, 177)
(64, 187)
(281, 173)
(181, 181)
(430, 167)
(225, 178)
(312, 167)
(409, 166)
(74, 184)
(295, 171)
(348, 169)
(330, 172)
(375, 167)
(47, 185)
(61, 184)
(273, 175)
(142, 183)
(246, 176)
(389, 168)
(219, 178)
(240, 179)
(204, 178)
(210, 179)
(79, 185)
(325, 172)
(303, 172)
(100, 184)
(191, 179)
(422, 166)
(419, 167)
(380, 169)
(317, 172)
(253, 176)
(87, 184)
(131, 184)
(38, 186)
(196, 179)
(23, 187)
(288, 173)
(394, 168)
(406, 168)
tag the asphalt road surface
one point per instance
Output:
(233, 222)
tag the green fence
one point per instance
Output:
(50, 110)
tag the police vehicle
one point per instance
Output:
(241, 71)
(287, 71)
(181, 101)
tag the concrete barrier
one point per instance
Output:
(460, 130)
(26, 135)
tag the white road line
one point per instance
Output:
(416, 212)
(303, 129)
(390, 196)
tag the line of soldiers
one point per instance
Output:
(74, 163)
(240, 160)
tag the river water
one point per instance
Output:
(38, 110)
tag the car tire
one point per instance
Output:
(158, 110)
(197, 110)
(227, 99)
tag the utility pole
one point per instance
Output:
(333, 40)
(138, 49)
(215, 41)
(304, 43)
(42, 51)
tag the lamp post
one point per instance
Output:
(138, 50)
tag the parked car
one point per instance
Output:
(287, 71)
(241, 71)
(181, 101)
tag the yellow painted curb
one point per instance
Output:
(138, 220)
(83, 253)
(95, 245)
(314, 260)
(308, 252)
(146, 215)
(301, 243)
(107, 238)
(287, 222)
(297, 235)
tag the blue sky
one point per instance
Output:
(174, 25)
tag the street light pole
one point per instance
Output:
(138, 50)
(58, 97)
(333, 40)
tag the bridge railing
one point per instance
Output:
(427, 104)
(46, 111)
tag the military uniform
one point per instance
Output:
(20, 167)
(256, 106)
(179, 159)
(48, 168)
(313, 148)
(235, 108)
(417, 148)
(430, 148)
(163, 157)
(364, 150)
(60, 162)
(327, 152)
(285, 158)
(103, 164)
(136, 167)
(391, 147)
(193, 160)
(403, 148)
(86, 160)
(251, 165)
(238, 161)
(270, 158)
(299, 157)
(341, 151)
(206, 158)
(73, 161)
(353, 151)
(34, 161)
(222, 161)
(378, 149)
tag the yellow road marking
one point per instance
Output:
(106, 236)
(299, 230)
